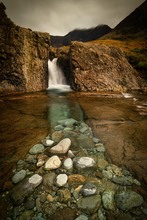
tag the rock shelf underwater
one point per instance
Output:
(67, 176)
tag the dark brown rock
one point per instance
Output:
(98, 67)
(23, 57)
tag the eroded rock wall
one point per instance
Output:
(101, 68)
(23, 57)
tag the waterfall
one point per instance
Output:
(56, 79)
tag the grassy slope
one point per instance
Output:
(134, 49)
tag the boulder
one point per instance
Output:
(98, 67)
(24, 56)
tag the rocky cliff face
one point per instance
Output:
(23, 57)
(101, 68)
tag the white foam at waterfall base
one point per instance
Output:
(56, 80)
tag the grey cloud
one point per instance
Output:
(61, 16)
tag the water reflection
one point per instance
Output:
(62, 107)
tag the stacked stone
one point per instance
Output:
(68, 173)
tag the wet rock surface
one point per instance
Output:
(97, 67)
(64, 193)
(24, 56)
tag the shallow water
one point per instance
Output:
(121, 123)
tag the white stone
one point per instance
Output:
(68, 164)
(61, 180)
(52, 163)
(62, 147)
(40, 162)
(35, 180)
(49, 142)
(83, 162)
(70, 154)
(19, 176)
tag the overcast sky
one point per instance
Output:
(58, 17)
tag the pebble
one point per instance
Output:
(88, 189)
(68, 164)
(102, 164)
(108, 200)
(70, 154)
(52, 163)
(123, 180)
(61, 180)
(35, 180)
(93, 195)
(89, 204)
(36, 149)
(48, 179)
(62, 147)
(82, 217)
(19, 176)
(82, 162)
(126, 200)
(47, 142)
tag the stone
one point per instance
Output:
(123, 180)
(76, 179)
(57, 136)
(27, 215)
(35, 180)
(69, 122)
(22, 190)
(85, 142)
(49, 179)
(64, 195)
(61, 180)
(36, 149)
(40, 162)
(68, 164)
(31, 159)
(50, 198)
(29, 204)
(88, 189)
(100, 147)
(101, 215)
(62, 147)
(47, 142)
(82, 217)
(126, 200)
(89, 204)
(19, 176)
(70, 154)
(82, 162)
(95, 140)
(108, 200)
(58, 128)
(52, 163)
(102, 164)
(107, 174)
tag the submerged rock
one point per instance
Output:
(88, 189)
(82, 162)
(62, 147)
(108, 200)
(89, 204)
(68, 164)
(36, 149)
(125, 200)
(19, 176)
(52, 163)
(61, 180)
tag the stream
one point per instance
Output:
(119, 122)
